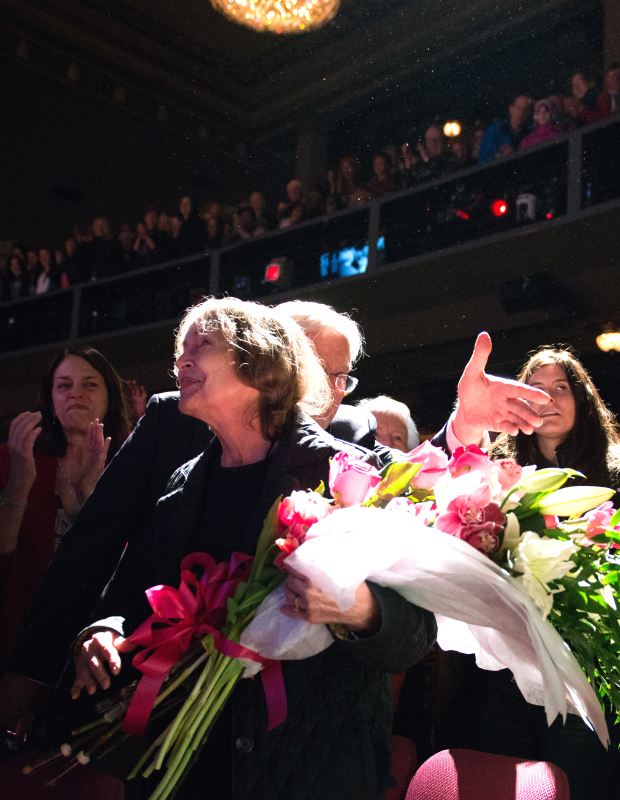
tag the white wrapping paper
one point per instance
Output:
(479, 607)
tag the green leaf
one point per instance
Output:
(615, 519)
(267, 538)
(395, 481)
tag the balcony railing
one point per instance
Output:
(557, 180)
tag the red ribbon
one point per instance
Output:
(182, 615)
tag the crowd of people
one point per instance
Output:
(242, 431)
(93, 252)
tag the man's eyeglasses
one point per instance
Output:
(344, 382)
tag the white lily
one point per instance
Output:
(541, 560)
(574, 500)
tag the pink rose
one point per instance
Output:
(508, 473)
(473, 518)
(351, 480)
(434, 464)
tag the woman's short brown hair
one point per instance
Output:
(272, 355)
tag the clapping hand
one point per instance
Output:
(85, 476)
(23, 432)
(488, 403)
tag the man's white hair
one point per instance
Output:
(317, 317)
(387, 405)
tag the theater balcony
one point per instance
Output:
(527, 248)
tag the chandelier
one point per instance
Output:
(278, 16)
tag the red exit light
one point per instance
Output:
(272, 273)
(499, 208)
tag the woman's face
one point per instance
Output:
(15, 266)
(210, 386)
(580, 86)
(79, 394)
(559, 414)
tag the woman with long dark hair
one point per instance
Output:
(578, 429)
(487, 711)
(49, 466)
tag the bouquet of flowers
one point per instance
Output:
(481, 544)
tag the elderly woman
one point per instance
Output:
(48, 467)
(250, 373)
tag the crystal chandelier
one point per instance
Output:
(279, 16)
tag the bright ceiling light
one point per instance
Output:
(609, 340)
(452, 129)
(278, 16)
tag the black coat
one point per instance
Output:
(335, 742)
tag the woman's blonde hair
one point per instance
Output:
(272, 355)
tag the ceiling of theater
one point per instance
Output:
(184, 54)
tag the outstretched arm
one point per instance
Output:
(488, 403)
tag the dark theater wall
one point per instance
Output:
(67, 156)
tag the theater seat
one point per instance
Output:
(404, 763)
(471, 775)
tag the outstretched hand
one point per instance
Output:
(488, 403)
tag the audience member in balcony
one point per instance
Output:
(395, 428)
(434, 159)
(315, 203)
(544, 129)
(151, 245)
(103, 255)
(612, 86)
(257, 201)
(385, 180)
(49, 467)
(45, 274)
(503, 138)
(193, 234)
(345, 188)
(14, 281)
(461, 150)
(294, 195)
(32, 270)
(476, 141)
(126, 238)
(244, 222)
(214, 231)
(71, 264)
(588, 104)
(298, 212)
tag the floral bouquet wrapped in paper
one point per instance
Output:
(481, 544)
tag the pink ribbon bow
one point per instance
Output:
(195, 609)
